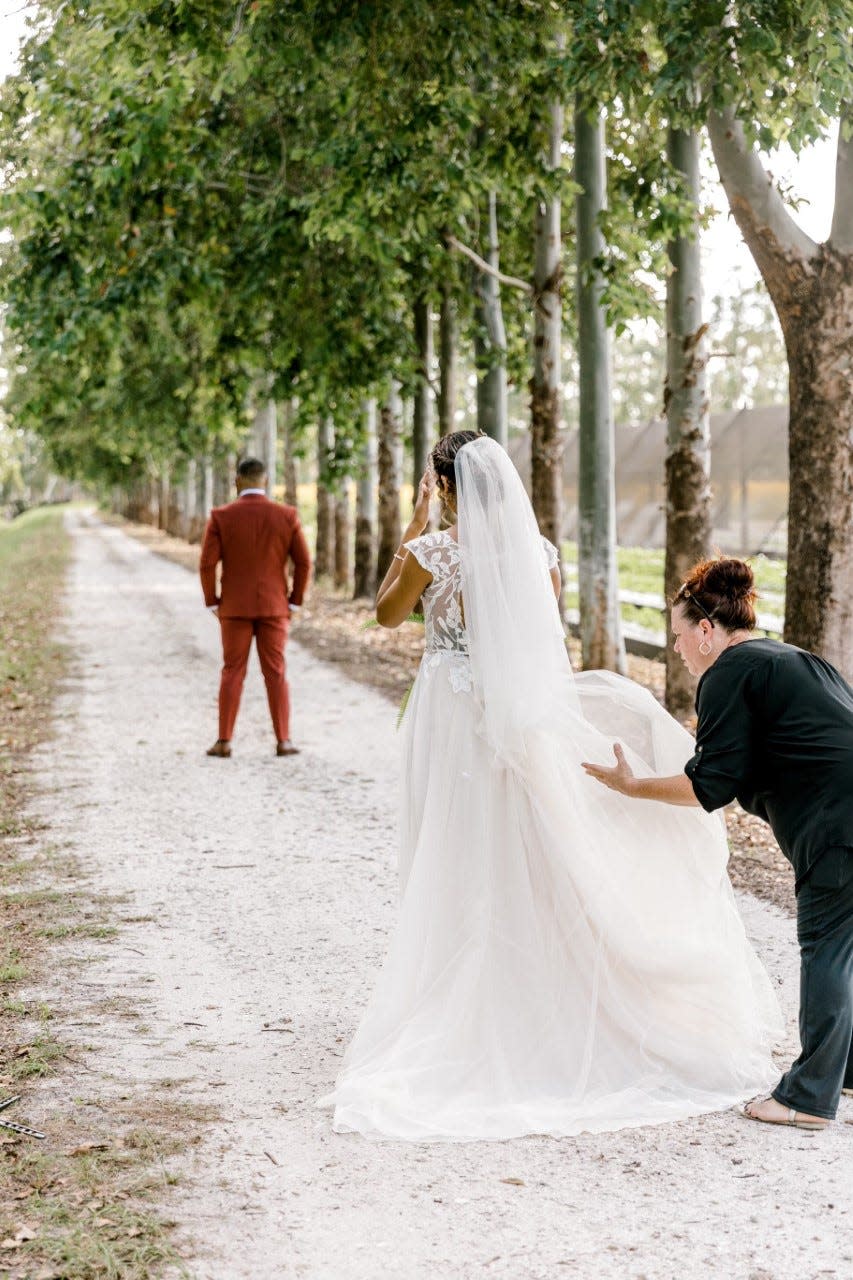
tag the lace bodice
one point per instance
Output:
(439, 554)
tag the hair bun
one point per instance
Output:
(720, 590)
(729, 577)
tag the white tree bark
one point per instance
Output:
(841, 235)
(366, 508)
(207, 487)
(325, 540)
(190, 503)
(492, 405)
(600, 621)
(688, 451)
(755, 200)
(447, 364)
(287, 412)
(390, 478)
(263, 439)
(546, 436)
(422, 423)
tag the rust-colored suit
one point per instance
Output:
(254, 539)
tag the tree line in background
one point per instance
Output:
(304, 216)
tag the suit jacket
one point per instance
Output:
(254, 539)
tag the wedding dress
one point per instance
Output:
(565, 959)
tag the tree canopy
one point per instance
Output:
(209, 197)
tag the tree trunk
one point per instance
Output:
(224, 479)
(546, 438)
(492, 409)
(127, 502)
(447, 364)
(688, 450)
(151, 509)
(422, 422)
(191, 532)
(325, 542)
(175, 518)
(365, 510)
(270, 445)
(819, 339)
(164, 498)
(207, 488)
(290, 469)
(390, 477)
(600, 621)
(343, 535)
(142, 500)
(812, 290)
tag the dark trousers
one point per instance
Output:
(825, 933)
(270, 635)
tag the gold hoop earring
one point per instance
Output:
(705, 648)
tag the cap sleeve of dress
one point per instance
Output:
(427, 550)
(552, 556)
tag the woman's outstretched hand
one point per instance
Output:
(426, 488)
(619, 777)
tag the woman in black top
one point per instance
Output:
(775, 732)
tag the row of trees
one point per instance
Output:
(218, 207)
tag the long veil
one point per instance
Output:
(519, 662)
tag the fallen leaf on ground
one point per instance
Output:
(23, 1234)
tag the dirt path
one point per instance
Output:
(251, 978)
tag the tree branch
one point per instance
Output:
(841, 235)
(754, 198)
(484, 267)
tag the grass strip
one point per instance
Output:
(69, 1210)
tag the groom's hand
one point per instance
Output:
(618, 778)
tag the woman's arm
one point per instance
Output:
(406, 580)
(398, 598)
(677, 789)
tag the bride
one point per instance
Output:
(562, 962)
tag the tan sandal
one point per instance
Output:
(791, 1121)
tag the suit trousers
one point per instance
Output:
(270, 635)
(825, 933)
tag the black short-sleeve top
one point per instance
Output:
(775, 732)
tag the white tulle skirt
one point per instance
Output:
(566, 959)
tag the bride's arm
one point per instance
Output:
(677, 789)
(402, 588)
(406, 580)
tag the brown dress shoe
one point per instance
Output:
(220, 748)
(286, 749)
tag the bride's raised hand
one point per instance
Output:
(618, 778)
(426, 488)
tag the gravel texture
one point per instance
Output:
(259, 894)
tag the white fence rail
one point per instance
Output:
(648, 642)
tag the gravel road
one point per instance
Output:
(258, 895)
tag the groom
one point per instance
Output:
(254, 539)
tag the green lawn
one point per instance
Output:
(641, 569)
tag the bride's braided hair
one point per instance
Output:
(443, 456)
